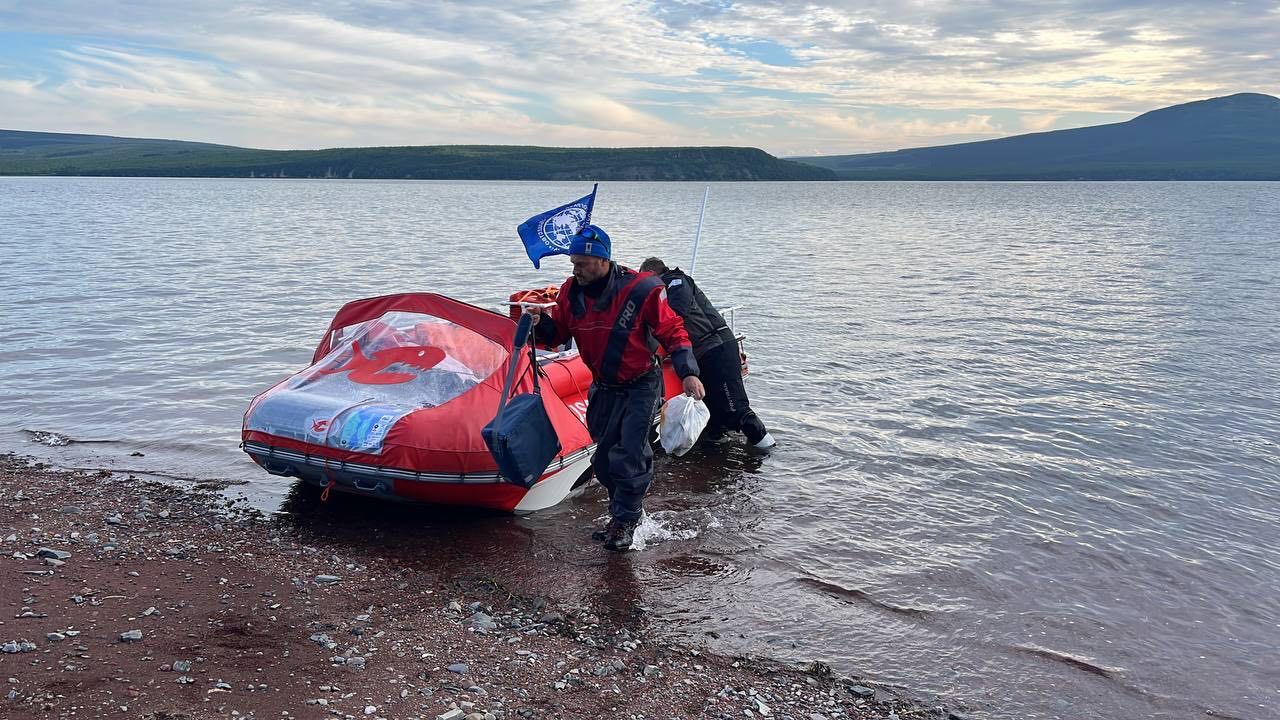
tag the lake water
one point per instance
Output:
(1027, 432)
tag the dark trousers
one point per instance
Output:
(620, 418)
(721, 375)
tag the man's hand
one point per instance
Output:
(532, 310)
(693, 386)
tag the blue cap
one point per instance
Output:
(590, 240)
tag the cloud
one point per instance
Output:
(1039, 122)
(864, 131)
(778, 74)
(21, 88)
(596, 111)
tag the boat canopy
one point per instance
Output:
(408, 379)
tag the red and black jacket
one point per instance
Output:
(619, 331)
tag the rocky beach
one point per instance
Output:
(126, 597)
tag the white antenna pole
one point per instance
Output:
(698, 235)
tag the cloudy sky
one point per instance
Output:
(794, 78)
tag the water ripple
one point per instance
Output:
(1028, 432)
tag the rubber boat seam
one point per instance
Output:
(270, 451)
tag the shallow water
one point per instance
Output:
(1028, 432)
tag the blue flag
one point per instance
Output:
(548, 233)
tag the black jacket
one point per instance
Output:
(706, 327)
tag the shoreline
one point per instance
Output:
(131, 598)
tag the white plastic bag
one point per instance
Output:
(683, 420)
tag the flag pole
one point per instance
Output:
(698, 235)
(591, 204)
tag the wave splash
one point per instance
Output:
(666, 525)
(57, 439)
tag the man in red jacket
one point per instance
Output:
(618, 317)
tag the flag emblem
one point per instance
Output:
(558, 228)
(548, 233)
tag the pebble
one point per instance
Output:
(326, 579)
(113, 519)
(460, 668)
(483, 622)
(131, 636)
(356, 662)
(56, 637)
(45, 552)
(324, 640)
(370, 709)
(862, 691)
(182, 666)
(453, 714)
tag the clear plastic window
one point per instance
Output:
(377, 372)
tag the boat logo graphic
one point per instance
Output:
(374, 370)
(557, 229)
(319, 425)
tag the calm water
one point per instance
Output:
(1028, 432)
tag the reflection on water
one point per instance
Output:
(1028, 432)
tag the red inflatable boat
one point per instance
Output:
(395, 398)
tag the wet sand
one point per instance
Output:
(131, 598)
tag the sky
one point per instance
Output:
(792, 78)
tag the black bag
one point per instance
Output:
(521, 437)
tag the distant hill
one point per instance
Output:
(36, 153)
(1236, 137)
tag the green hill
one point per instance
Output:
(33, 153)
(1236, 137)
